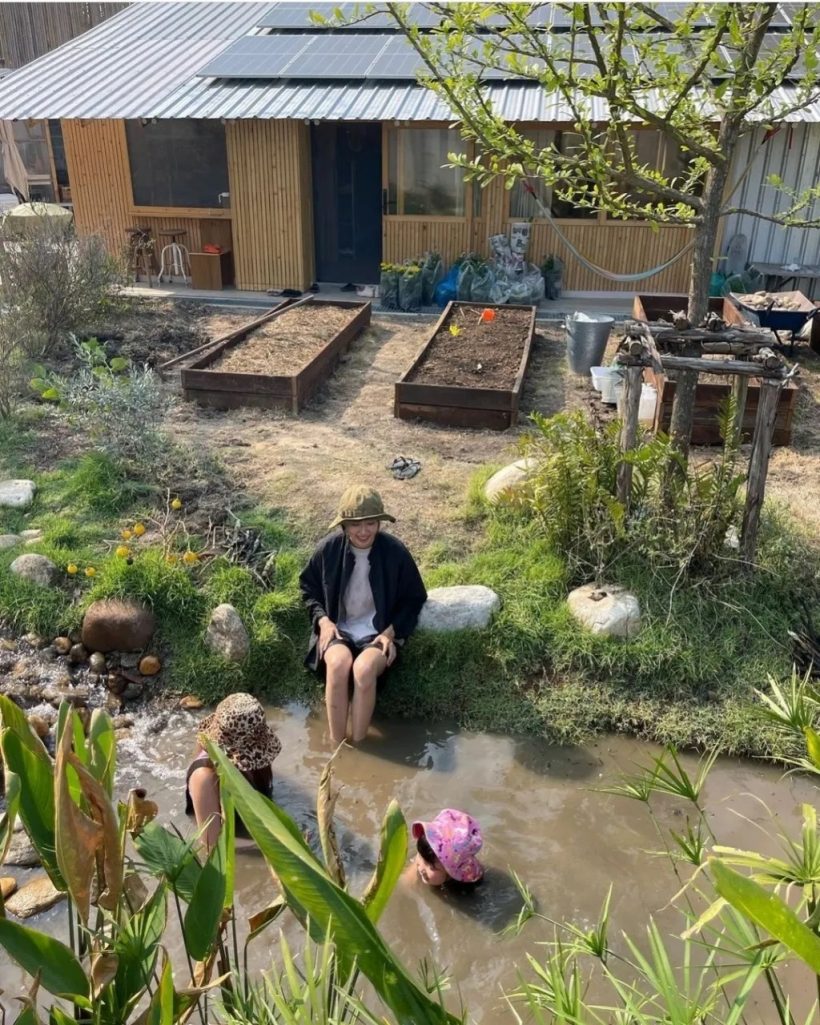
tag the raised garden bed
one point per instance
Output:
(708, 398)
(281, 363)
(653, 307)
(472, 376)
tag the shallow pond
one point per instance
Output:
(539, 816)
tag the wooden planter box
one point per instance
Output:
(708, 398)
(227, 390)
(458, 405)
(652, 307)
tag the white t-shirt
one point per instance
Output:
(358, 607)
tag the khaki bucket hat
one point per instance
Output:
(360, 503)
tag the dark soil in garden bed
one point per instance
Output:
(286, 344)
(480, 355)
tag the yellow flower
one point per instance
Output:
(190, 557)
(90, 571)
(172, 559)
(176, 503)
(123, 552)
(455, 330)
(71, 569)
(139, 529)
(125, 534)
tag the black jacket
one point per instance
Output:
(398, 590)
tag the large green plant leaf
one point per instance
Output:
(110, 865)
(227, 838)
(59, 970)
(103, 744)
(136, 947)
(201, 923)
(36, 806)
(171, 858)
(13, 718)
(78, 837)
(161, 1008)
(392, 856)
(768, 911)
(324, 907)
(9, 816)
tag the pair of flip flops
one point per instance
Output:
(404, 467)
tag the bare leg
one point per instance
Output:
(338, 661)
(367, 668)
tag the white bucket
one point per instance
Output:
(608, 384)
(646, 405)
(598, 374)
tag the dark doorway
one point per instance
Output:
(347, 203)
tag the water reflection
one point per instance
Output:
(539, 815)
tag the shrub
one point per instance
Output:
(55, 282)
(12, 355)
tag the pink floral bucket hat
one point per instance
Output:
(455, 839)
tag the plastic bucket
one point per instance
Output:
(599, 375)
(586, 340)
(646, 405)
(609, 385)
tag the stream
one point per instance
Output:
(539, 815)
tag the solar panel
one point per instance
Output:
(297, 16)
(255, 57)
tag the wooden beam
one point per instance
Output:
(758, 467)
(629, 430)
(723, 366)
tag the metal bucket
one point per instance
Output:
(586, 341)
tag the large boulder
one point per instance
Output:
(117, 624)
(507, 480)
(38, 895)
(37, 569)
(9, 541)
(226, 634)
(464, 607)
(17, 494)
(606, 609)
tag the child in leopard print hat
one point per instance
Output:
(239, 727)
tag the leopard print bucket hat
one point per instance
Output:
(238, 725)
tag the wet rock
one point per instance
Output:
(150, 665)
(8, 884)
(132, 692)
(49, 653)
(116, 685)
(96, 663)
(6, 644)
(17, 494)
(62, 645)
(191, 703)
(36, 896)
(35, 640)
(114, 624)
(226, 635)
(77, 654)
(609, 610)
(503, 484)
(40, 726)
(130, 661)
(122, 722)
(113, 704)
(21, 851)
(464, 607)
(75, 636)
(122, 733)
(37, 569)
(9, 541)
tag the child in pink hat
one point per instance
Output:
(446, 849)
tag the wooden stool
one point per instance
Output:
(174, 255)
(142, 258)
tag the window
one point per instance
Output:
(568, 143)
(418, 182)
(30, 137)
(177, 163)
(523, 204)
(654, 150)
(58, 152)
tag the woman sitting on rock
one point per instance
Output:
(364, 594)
(239, 727)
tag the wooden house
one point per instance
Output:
(311, 154)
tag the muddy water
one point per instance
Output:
(538, 813)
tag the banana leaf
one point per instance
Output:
(169, 857)
(40, 955)
(204, 913)
(392, 856)
(323, 907)
(103, 744)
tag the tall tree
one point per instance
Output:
(701, 75)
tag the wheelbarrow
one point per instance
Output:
(777, 320)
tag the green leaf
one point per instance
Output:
(79, 837)
(161, 1008)
(768, 911)
(57, 1016)
(392, 856)
(204, 913)
(812, 746)
(322, 906)
(136, 947)
(118, 364)
(103, 743)
(170, 857)
(9, 816)
(38, 384)
(59, 970)
(51, 395)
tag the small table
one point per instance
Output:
(776, 275)
(211, 270)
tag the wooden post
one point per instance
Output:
(629, 430)
(683, 410)
(740, 390)
(758, 466)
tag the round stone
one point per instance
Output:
(37, 569)
(96, 663)
(464, 607)
(62, 645)
(77, 654)
(150, 665)
(191, 703)
(9, 541)
(17, 494)
(606, 609)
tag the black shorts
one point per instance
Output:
(356, 648)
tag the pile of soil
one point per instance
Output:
(481, 354)
(286, 344)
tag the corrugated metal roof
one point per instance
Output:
(144, 61)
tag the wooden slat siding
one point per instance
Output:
(408, 237)
(270, 184)
(27, 31)
(99, 174)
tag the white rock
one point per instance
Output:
(9, 541)
(36, 568)
(31, 535)
(465, 607)
(507, 479)
(17, 494)
(605, 609)
(226, 634)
